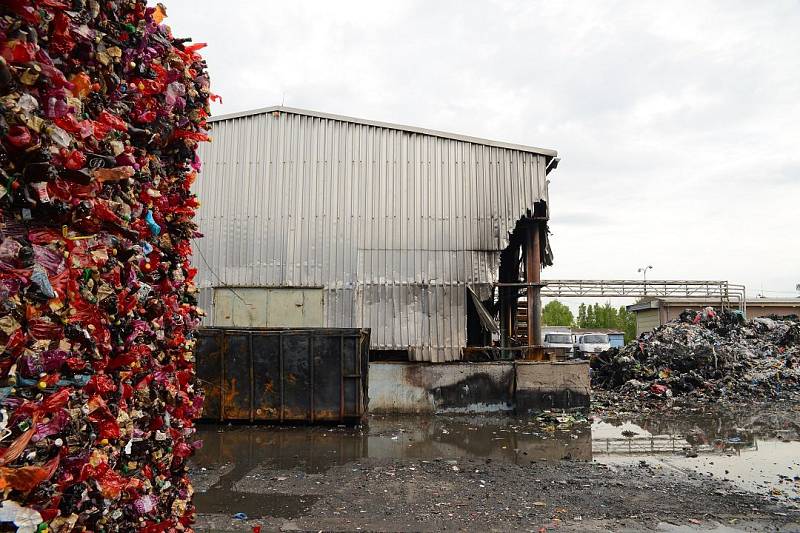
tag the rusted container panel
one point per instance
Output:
(267, 369)
(327, 362)
(236, 386)
(210, 372)
(284, 375)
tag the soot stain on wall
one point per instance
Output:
(476, 389)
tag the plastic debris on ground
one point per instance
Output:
(561, 421)
(705, 356)
(101, 110)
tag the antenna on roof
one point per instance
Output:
(283, 98)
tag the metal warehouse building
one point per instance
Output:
(318, 220)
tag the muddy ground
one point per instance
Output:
(688, 468)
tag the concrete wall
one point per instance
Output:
(407, 387)
(416, 388)
(551, 385)
(755, 310)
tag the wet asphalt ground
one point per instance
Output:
(686, 468)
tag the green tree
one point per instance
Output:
(607, 317)
(557, 314)
(591, 320)
(581, 315)
(627, 323)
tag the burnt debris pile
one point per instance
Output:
(707, 356)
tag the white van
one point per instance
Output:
(559, 340)
(590, 344)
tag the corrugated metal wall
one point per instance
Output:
(392, 224)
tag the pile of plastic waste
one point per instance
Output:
(101, 110)
(707, 356)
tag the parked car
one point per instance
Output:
(591, 344)
(560, 340)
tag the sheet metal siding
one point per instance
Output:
(393, 224)
(385, 125)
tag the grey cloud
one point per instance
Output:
(671, 117)
(578, 218)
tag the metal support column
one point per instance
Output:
(503, 333)
(533, 270)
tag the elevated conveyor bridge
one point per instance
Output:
(730, 296)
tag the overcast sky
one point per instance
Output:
(678, 123)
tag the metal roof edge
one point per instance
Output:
(589, 331)
(643, 306)
(412, 129)
(670, 300)
(677, 301)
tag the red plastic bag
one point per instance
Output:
(19, 137)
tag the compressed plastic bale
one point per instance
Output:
(101, 110)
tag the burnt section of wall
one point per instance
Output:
(534, 401)
(501, 386)
(474, 390)
(521, 263)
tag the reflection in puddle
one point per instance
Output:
(752, 450)
(756, 451)
(314, 450)
(239, 449)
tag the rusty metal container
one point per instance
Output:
(284, 375)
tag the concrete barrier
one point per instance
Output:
(429, 388)
(409, 387)
(551, 385)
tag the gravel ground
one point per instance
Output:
(693, 467)
(474, 494)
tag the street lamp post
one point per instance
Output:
(643, 272)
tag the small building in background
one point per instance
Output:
(659, 311)
(319, 220)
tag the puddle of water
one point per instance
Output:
(756, 451)
(225, 502)
(239, 450)
(751, 449)
(314, 450)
